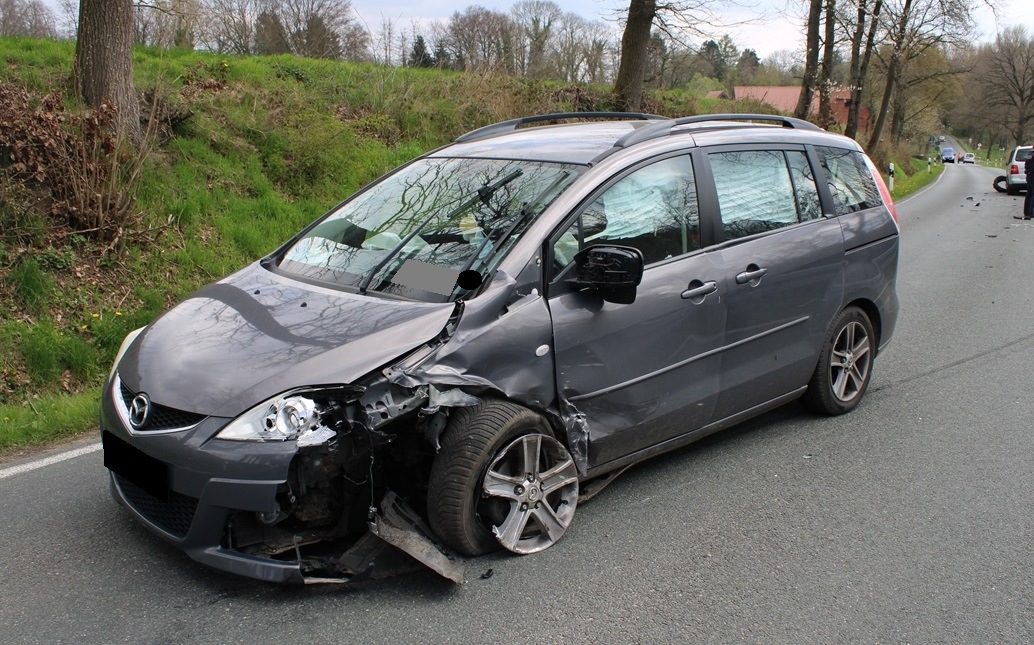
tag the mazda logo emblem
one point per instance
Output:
(139, 410)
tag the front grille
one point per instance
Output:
(160, 417)
(173, 516)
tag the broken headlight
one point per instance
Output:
(285, 417)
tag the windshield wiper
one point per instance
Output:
(481, 194)
(522, 215)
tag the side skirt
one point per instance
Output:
(694, 435)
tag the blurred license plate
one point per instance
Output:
(135, 465)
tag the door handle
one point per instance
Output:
(698, 289)
(751, 275)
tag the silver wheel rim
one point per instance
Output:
(849, 364)
(536, 477)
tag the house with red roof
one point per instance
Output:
(784, 98)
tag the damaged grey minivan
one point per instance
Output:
(431, 369)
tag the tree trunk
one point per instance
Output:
(888, 91)
(826, 84)
(811, 64)
(860, 67)
(103, 68)
(635, 47)
(897, 117)
(892, 72)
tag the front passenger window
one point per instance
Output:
(653, 209)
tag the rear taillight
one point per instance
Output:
(1014, 169)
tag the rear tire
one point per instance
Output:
(500, 478)
(845, 365)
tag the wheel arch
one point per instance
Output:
(875, 319)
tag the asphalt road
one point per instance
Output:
(908, 520)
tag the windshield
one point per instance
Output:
(433, 231)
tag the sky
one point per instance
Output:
(769, 26)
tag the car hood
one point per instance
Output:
(238, 342)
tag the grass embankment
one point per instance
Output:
(255, 149)
(908, 179)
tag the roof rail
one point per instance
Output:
(664, 128)
(513, 124)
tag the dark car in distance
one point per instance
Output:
(437, 365)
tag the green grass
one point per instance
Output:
(47, 353)
(905, 185)
(32, 285)
(38, 64)
(48, 418)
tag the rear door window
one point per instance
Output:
(763, 190)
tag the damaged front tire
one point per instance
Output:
(501, 478)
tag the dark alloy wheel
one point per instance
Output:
(845, 365)
(501, 478)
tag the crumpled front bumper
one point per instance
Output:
(205, 481)
(206, 526)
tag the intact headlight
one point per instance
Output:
(130, 337)
(282, 418)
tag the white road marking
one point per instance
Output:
(42, 463)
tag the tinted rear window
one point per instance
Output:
(1023, 154)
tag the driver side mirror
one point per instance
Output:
(614, 271)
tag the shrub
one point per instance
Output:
(90, 174)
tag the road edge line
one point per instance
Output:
(47, 461)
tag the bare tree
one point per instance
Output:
(536, 20)
(569, 48)
(635, 54)
(479, 38)
(27, 18)
(167, 23)
(599, 47)
(1007, 80)
(383, 42)
(811, 63)
(230, 25)
(826, 75)
(311, 28)
(323, 28)
(989, 114)
(918, 26)
(68, 19)
(865, 27)
(670, 17)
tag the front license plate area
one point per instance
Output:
(135, 465)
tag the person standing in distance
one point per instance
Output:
(1028, 168)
